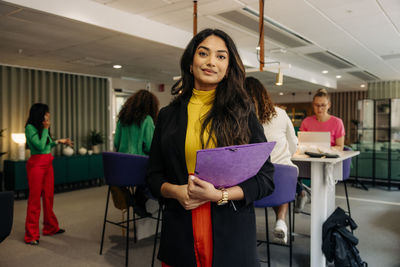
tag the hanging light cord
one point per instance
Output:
(260, 34)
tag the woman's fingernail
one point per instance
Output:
(192, 177)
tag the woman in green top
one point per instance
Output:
(134, 134)
(40, 174)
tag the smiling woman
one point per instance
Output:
(211, 110)
(210, 63)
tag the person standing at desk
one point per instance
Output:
(40, 174)
(277, 127)
(322, 121)
(133, 135)
(212, 109)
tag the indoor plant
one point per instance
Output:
(96, 138)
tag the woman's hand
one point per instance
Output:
(65, 141)
(187, 202)
(202, 190)
(46, 122)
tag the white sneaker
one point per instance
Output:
(300, 202)
(280, 232)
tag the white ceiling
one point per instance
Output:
(148, 37)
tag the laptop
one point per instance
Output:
(319, 139)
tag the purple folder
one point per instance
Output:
(231, 165)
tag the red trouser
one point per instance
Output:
(41, 183)
(202, 235)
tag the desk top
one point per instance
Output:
(342, 156)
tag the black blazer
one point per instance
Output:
(234, 232)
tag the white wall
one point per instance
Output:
(133, 86)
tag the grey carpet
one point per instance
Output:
(81, 212)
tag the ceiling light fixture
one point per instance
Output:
(281, 93)
(362, 85)
(279, 78)
(338, 76)
(324, 71)
(117, 66)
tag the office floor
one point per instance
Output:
(377, 212)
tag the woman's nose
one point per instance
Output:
(211, 61)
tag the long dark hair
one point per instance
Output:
(36, 117)
(262, 101)
(228, 118)
(137, 107)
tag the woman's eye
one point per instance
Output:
(221, 57)
(202, 54)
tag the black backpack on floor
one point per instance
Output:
(338, 243)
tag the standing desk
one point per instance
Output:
(322, 197)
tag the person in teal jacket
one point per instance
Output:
(40, 174)
(134, 134)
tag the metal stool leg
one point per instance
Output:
(156, 235)
(267, 237)
(294, 216)
(127, 237)
(347, 198)
(104, 223)
(134, 227)
(290, 234)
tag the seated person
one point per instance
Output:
(277, 127)
(322, 121)
(133, 135)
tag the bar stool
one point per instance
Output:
(125, 170)
(285, 179)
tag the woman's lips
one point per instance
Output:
(209, 71)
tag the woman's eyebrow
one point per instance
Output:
(208, 49)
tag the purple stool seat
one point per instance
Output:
(285, 180)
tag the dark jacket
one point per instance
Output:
(338, 243)
(234, 232)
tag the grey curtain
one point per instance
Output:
(344, 106)
(78, 104)
(383, 89)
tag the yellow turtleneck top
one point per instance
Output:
(200, 103)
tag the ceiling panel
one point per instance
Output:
(7, 9)
(57, 42)
(392, 9)
(395, 63)
(343, 10)
(181, 15)
(151, 8)
(270, 31)
(330, 60)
